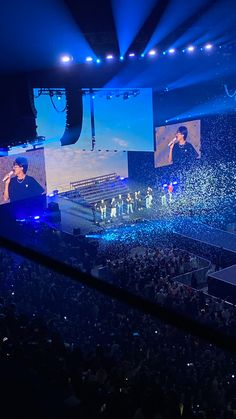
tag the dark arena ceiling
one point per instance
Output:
(34, 34)
(183, 72)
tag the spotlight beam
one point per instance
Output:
(208, 23)
(174, 15)
(129, 17)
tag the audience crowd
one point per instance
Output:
(69, 352)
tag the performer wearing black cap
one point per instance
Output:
(21, 186)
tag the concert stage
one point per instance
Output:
(190, 233)
(78, 215)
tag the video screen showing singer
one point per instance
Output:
(19, 185)
(181, 151)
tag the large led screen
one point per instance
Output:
(68, 164)
(23, 176)
(177, 143)
(121, 119)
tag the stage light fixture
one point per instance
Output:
(66, 58)
(208, 46)
(152, 52)
(59, 94)
(190, 48)
(37, 142)
(4, 150)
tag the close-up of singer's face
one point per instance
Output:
(179, 136)
(18, 170)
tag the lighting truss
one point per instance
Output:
(108, 93)
(112, 93)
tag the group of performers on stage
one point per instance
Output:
(131, 203)
(121, 205)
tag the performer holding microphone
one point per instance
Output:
(181, 151)
(8, 176)
(20, 186)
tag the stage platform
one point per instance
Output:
(78, 215)
(222, 284)
(187, 232)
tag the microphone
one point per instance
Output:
(172, 142)
(7, 176)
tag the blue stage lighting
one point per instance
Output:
(142, 55)
(208, 46)
(109, 57)
(171, 51)
(58, 94)
(88, 59)
(66, 58)
(129, 17)
(36, 217)
(98, 60)
(131, 54)
(191, 48)
(152, 52)
(121, 58)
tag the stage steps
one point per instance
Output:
(95, 189)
